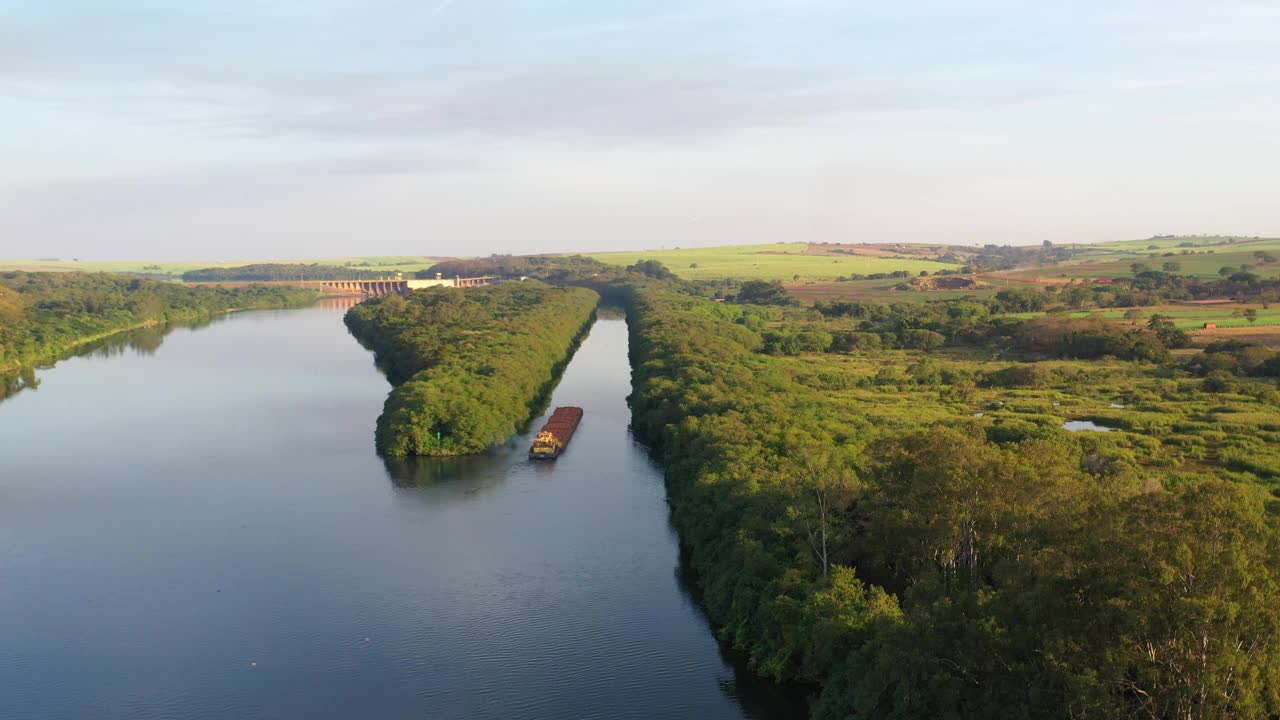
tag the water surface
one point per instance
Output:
(202, 530)
(1085, 425)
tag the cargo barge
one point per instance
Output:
(554, 436)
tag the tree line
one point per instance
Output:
(279, 272)
(470, 367)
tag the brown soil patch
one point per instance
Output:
(886, 250)
(947, 283)
(1266, 335)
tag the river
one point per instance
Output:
(201, 529)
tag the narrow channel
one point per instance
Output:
(202, 529)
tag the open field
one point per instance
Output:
(1203, 258)
(1185, 317)
(779, 261)
(811, 291)
(1266, 335)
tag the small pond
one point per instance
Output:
(1080, 425)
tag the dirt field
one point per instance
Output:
(887, 250)
(1265, 335)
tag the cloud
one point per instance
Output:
(235, 190)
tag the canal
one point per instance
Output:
(200, 528)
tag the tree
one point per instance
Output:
(652, 268)
(1251, 315)
(1185, 582)
(1132, 314)
(1171, 267)
(827, 488)
(1139, 268)
(761, 292)
(10, 307)
(1167, 332)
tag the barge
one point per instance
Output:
(554, 436)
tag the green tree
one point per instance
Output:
(762, 292)
(827, 488)
(652, 268)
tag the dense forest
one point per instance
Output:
(43, 315)
(270, 272)
(903, 521)
(470, 366)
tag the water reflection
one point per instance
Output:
(758, 697)
(426, 472)
(141, 341)
(340, 302)
(1085, 425)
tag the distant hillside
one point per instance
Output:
(786, 261)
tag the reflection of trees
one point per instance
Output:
(425, 471)
(757, 696)
(142, 341)
(14, 382)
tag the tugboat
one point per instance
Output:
(554, 436)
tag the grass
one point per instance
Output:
(778, 261)
(1187, 318)
(1165, 422)
(1204, 258)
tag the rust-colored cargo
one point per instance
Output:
(554, 436)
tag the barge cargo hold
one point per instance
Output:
(554, 436)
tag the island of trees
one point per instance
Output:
(470, 367)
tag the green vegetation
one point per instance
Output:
(1198, 256)
(470, 366)
(878, 501)
(779, 261)
(43, 315)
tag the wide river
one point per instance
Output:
(203, 530)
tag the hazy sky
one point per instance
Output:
(210, 129)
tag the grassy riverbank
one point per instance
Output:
(470, 367)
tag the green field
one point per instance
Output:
(1189, 318)
(1203, 259)
(777, 261)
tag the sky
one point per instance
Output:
(242, 129)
